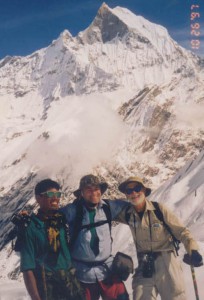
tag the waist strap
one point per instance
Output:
(154, 255)
(90, 263)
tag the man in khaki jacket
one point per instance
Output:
(159, 271)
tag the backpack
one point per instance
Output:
(160, 217)
(79, 216)
(20, 222)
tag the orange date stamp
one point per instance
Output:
(195, 26)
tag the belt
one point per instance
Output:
(90, 263)
(154, 254)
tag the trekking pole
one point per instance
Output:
(194, 282)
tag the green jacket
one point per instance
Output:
(35, 249)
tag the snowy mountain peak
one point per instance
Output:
(118, 49)
(120, 22)
(104, 7)
(105, 27)
(66, 36)
(63, 41)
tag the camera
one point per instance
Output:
(148, 268)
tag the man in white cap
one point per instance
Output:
(159, 271)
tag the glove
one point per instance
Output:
(195, 259)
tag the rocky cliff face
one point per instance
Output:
(166, 126)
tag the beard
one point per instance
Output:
(137, 201)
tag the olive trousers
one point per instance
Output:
(59, 285)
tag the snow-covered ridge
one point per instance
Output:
(184, 193)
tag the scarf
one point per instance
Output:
(53, 220)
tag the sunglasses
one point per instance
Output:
(137, 189)
(50, 194)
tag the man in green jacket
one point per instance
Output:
(159, 271)
(45, 258)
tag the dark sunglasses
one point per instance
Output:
(50, 194)
(137, 189)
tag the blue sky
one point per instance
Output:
(29, 25)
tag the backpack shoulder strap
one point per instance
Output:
(160, 217)
(77, 221)
(158, 212)
(127, 214)
(107, 211)
(79, 216)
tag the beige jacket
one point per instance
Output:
(161, 240)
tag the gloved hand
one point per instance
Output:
(195, 259)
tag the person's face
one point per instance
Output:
(135, 193)
(91, 194)
(49, 200)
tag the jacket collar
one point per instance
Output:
(149, 205)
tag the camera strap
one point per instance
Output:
(150, 229)
(135, 229)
